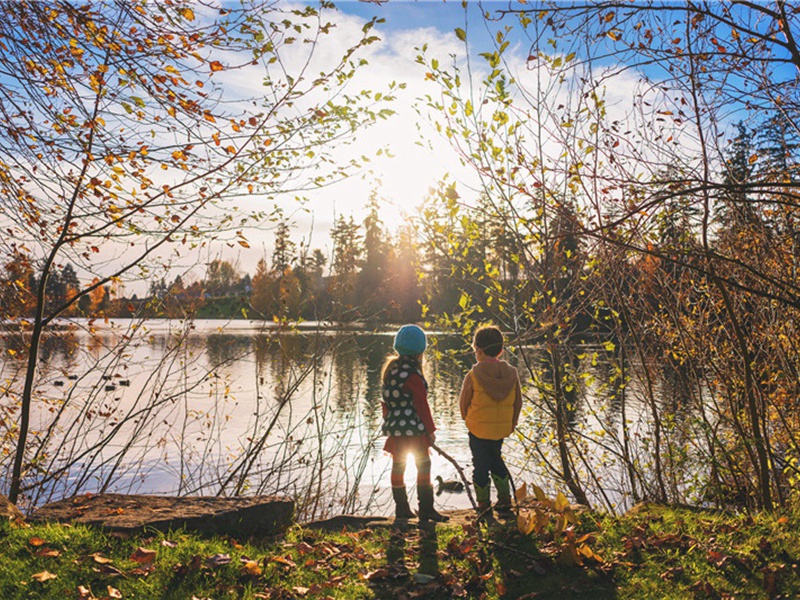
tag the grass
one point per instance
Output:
(653, 552)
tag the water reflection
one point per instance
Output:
(215, 407)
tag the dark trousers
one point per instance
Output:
(486, 457)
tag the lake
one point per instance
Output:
(237, 407)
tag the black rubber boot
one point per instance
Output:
(426, 510)
(401, 508)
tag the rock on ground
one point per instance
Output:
(241, 517)
(9, 511)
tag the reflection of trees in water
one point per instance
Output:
(224, 348)
(446, 363)
(348, 371)
(373, 349)
(59, 346)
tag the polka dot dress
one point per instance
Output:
(401, 418)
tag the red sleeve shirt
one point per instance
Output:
(419, 392)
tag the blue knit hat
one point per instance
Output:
(410, 341)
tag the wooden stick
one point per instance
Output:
(452, 461)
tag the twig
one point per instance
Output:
(453, 462)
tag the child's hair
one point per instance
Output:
(391, 362)
(489, 339)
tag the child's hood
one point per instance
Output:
(497, 377)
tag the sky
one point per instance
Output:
(419, 156)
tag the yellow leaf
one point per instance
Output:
(526, 523)
(43, 576)
(561, 502)
(521, 493)
(251, 568)
(539, 493)
(209, 117)
(187, 13)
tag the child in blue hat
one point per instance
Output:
(407, 421)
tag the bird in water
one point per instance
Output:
(450, 485)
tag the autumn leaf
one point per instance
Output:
(187, 13)
(283, 561)
(521, 492)
(46, 552)
(216, 66)
(43, 576)
(36, 541)
(100, 559)
(143, 556)
(526, 523)
(85, 593)
(251, 568)
(375, 575)
(114, 593)
(539, 493)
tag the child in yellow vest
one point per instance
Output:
(490, 401)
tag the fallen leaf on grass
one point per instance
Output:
(100, 559)
(284, 561)
(672, 574)
(114, 593)
(377, 574)
(109, 570)
(718, 559)
(85, 593)
(300, 590)
(303, 548)
(141, 572)
(169, 544)
(218, 560)
(43, 576)
(48, 552)
(143, 556)
(251, 567)
(36, 541)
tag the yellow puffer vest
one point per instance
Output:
(487, 418)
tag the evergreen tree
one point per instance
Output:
(347, 250)
(371, 280)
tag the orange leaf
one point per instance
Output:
(216, 66)
(283, 561)
(251, 568)
(36, 541)
(143, 556)
(521, 493)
